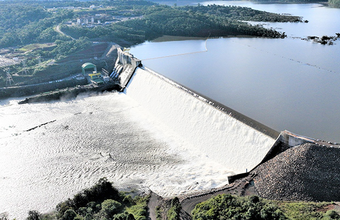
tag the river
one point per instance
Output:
(287, 84)
(51, 151)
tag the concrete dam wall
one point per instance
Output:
(281, 166)
(225, 136)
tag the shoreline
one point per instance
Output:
(70, 93)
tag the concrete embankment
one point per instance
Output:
(204, 124)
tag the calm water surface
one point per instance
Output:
(287, 83)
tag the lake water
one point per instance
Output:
(287, 84)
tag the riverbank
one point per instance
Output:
(65, 74)
(28, 90)
(70, 92)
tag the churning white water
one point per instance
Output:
(51, 151)
(215, 133)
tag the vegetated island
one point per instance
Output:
(48, 41)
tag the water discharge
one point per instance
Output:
(50, 151)
(286, 84)
(216, 134)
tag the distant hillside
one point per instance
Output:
(288, 1)
(334, 3)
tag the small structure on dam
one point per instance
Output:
(124, 68)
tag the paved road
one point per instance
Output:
(236, 188)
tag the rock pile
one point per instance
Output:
(306, 172)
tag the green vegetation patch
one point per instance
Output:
(334, 3)
(30, 47)
(308, 210)
(33, 23)
(139, 209)
(174, 211)
(233, 207)
(102, 202)
(202, 21)
(241, 13)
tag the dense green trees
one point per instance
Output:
(334, 3)
(286, 1)
(34, 215)
(33, 23)
(232, 207)
(25, 24)
(64, 48)
(190, 21)
(103, 201)
(308, 210)
(202, 21)
(253, 207)
(241, 13)
(174, 211)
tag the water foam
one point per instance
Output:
(215, 134)
(92, 137)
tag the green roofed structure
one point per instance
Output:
(86, 66)
(94, 76)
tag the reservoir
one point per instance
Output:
(289, 83)
(50, 151)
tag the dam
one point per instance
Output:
(218, 132)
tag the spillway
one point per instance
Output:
(223, 135)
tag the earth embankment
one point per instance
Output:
(307, 172)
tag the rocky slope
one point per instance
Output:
(306, 172)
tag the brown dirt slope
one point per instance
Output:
(307, 172)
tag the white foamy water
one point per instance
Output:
(51, 151)
(216, 134)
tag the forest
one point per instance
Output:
(334, 3)
(202, 21)
(241, 13)
(33, 23)
(253, 207)
(331, 3)
(288, 1)
(104, 202)
(37, 23)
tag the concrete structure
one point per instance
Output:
(124, 68)
(87, 66)
(222, 134)
(202, 123)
